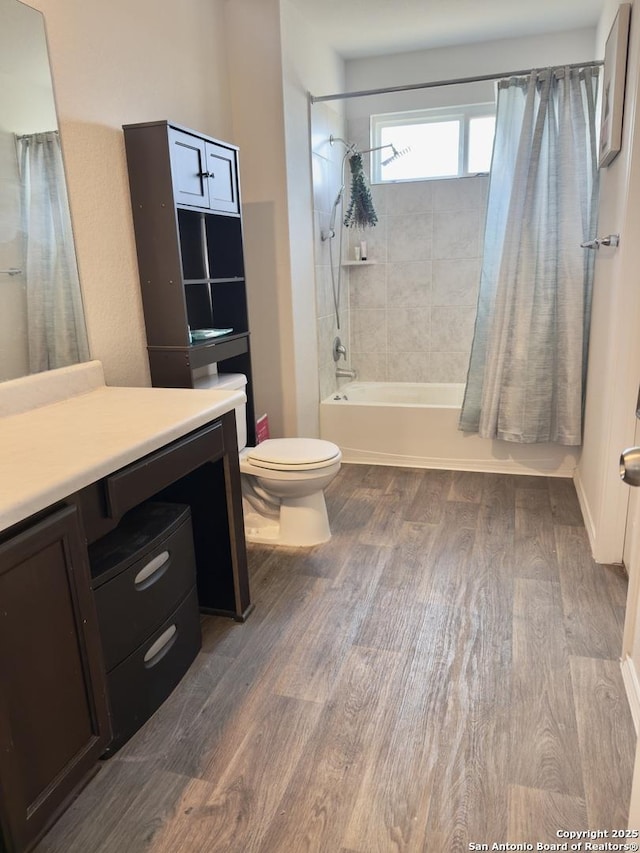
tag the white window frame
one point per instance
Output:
(437, 114)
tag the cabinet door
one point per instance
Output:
(189, 168)
(222, 178)
(54, 721)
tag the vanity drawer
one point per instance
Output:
(137, 482)
(141, 573)
(141, 683)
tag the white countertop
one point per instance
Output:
(66, 443)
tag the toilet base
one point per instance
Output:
(302, 522)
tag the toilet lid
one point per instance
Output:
(294, 453)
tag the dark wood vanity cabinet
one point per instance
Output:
(57, 637)
(54, 722)
(185, 200)
(200, 470)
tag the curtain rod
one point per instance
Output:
(340, 96)
(31, 135)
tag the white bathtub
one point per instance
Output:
(416, 425)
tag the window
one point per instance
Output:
(438, 143)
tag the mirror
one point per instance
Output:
(41, 318)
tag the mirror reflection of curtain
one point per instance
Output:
(55, 319)
(528, 360)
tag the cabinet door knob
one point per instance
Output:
(206, 175)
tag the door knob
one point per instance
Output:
(630, 466)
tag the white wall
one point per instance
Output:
(493, 57)
(271, 125)
(115, 63)
(253, 31)
(614, 349)
(308, 66)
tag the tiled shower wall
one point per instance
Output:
(408, 315)
(413, 309)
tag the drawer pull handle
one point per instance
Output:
(159, 649)
(153, 571)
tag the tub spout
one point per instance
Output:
(346, 372)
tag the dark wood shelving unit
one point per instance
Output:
(185, 199)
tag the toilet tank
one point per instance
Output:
(235, 382)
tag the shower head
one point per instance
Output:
(394, 156)
(336, 203)
(330, 233)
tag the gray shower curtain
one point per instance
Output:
(528, 360)
(55, 317)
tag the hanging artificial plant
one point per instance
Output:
(360, 213)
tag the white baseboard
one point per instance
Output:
(632, 687)
(606, 538)
(486, 465)
(585, 509)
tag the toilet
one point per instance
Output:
(283, 483)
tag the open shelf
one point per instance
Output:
(210, 245)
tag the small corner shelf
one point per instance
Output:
(358, 263)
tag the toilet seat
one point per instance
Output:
(293, 454)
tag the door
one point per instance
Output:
(630, 465)
(189, 168)
(54, 721)
(631, 558)
(223, 180)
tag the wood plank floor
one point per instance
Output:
(443, 672)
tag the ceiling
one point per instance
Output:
(357, 28)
